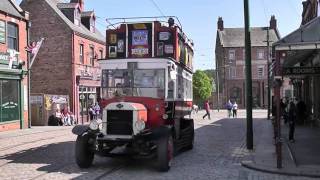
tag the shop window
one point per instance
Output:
(9, 100)
(13, 38)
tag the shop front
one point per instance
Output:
(13, 94)
(297, 57)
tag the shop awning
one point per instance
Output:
(294, 57)
(306, 37)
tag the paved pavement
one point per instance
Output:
(48, 153)
(300, 158)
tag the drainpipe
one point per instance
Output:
(29, 75)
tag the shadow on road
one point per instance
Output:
(219, 144)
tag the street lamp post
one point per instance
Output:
(248, 75)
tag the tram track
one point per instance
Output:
(111, 171)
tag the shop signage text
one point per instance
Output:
(301, 70)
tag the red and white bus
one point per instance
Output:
(146, 92)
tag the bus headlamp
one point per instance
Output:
(140, 125)
(95, 125)
(165, 116)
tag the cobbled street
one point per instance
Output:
(48, 153)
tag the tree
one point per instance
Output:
(211, 73)
(202, 86)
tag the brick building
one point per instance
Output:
(13, 58)
(69, 53)
(230, 63)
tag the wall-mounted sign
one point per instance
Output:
(164, 36)
(139, 26)
(113, 39)
(2, 32)
(112, 51)
(301, 70)
(120, 46)
(168, 49)
(59, 100)
(4, 56)
(140, 38)
(140, 51)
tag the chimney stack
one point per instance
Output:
(273, 22)
(220, 24)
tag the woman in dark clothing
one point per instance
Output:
(292, 119)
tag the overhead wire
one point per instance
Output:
(157, 7)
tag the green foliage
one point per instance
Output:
(211, 73)
(202, 86)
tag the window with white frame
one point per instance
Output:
(232, 55)
(260, 72)
(260, 54)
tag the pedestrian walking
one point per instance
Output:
(234, 109)
(207, 108)
(96, 110)
(292, 121)
(229, 108)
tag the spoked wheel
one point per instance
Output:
(165, 152)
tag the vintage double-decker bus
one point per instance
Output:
(146, 91)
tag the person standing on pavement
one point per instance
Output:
(229, 107)
(291, 120)
(234, 109)
(97, 110)
(207, 108)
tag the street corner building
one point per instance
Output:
(13, 66)
(66, 64)
(230, 63)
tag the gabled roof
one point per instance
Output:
(11, 7)
(308, 33)
(234, 37)
(81, 30)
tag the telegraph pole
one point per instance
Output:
(268, 68)
(248, 76)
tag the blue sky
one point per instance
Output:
(199, 17)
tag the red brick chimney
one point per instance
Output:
(220, 24)
(273, 22)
